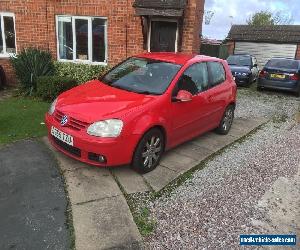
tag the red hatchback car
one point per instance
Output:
(145, 105)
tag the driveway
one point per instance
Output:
(32, 199)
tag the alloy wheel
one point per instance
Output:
(152, 151)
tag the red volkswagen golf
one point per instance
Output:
(145, 105)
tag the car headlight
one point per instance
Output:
(52, 107)
(107, 128)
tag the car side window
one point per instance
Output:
(194, 79)
(217, 73)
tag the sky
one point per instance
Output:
(228, 12)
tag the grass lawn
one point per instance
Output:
(21, 118)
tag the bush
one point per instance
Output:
(49, 87)
(81, 72)
(29, 65)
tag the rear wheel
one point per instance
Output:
(149, 151)
(226, 121)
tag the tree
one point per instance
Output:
(269, 18)
(261, 18)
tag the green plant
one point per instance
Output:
(81, 72)
(29, 64)
(49, 87)
(145, 224)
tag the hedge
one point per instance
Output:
(80, 72)
(49, 87)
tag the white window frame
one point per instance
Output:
(7, 14)
(90, 40)
(163, 20)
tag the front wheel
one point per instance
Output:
(149, 151)
(226, 121)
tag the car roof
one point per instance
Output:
(176, 58)
(241, 55)
(284, 58)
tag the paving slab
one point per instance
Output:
(91, 183)
(105, 224)
(130, 180)
(214, 142)
(175, 161)
(193, 151)
(160, 177)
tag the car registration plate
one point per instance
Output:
(62, 136)
(278, 76)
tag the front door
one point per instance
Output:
(163, 36)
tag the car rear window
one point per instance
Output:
(283, 64)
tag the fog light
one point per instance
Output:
(97, 158)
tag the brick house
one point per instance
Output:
(265, 42)
(98, 31)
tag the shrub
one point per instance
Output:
(29, 65)
(81, 72)
(49, 87)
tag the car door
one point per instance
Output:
(218, 92)
(191, 118)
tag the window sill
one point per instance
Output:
(6, 56)
(83, 62)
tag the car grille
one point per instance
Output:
(72, 150)
(72, 122)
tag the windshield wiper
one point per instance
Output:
(145, 92)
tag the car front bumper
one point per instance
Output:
(242, 80)
(116, 151)
(293, 86)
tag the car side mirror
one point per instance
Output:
(183, 96)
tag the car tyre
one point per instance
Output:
(258, 88)
(226, 121)
(149, 151)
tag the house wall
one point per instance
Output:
(298, 52)
(36, 25)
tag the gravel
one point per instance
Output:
(219, 202)
(257, 104)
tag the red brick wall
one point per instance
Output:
(192, 26)
(230, 47)
(36, 27)
(298, 52)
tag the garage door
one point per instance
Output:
(265, 51)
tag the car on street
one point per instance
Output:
(280, 74)
(244, 68)
(142, 107)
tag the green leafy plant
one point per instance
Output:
(49, 87)
(81, 72)
(29, 64)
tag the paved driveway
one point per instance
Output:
(32, 199)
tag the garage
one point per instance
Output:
(265, 42)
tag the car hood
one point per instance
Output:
(94, 101)
(241, 69)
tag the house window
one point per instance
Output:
(82, 39)
(7, 34)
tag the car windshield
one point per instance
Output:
(239, 60)
(142, 75)
(283, 64)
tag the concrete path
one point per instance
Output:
(183, 158)
(101, 216)
(32, 199)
